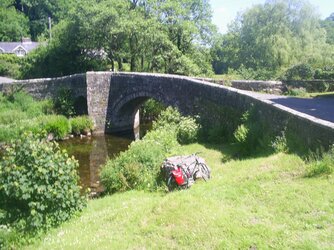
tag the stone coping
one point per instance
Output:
(255, 96)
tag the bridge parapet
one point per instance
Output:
(113, 100)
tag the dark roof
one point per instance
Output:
(8, 47)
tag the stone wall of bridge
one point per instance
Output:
(49, 87)
(113, 100)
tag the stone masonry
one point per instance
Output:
(113, 100)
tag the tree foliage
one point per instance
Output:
(328, 25)
(272, 36)
(153, 36)
(13, 24)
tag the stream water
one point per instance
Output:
(93, 152)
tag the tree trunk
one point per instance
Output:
(120, 65)
(112, 65)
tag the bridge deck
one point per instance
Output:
(318, 108)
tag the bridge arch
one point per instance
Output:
(110, 93)
(123, 114)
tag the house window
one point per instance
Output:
(20, 52)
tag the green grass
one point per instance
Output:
(263, 203)
(322, 94)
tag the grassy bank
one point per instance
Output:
(264, 202)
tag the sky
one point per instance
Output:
(224, 11)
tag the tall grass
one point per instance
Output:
(20, 113)
(321, 164)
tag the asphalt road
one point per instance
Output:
(319, 107)
(5, 79)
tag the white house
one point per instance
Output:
(19, 48)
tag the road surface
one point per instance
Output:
(319, 107)
(5, 79)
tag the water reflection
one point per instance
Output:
(92, 153)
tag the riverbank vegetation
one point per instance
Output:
(38, 189)
(20, 113)
(255, 198)
(139, 167)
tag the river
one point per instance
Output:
(93, 152)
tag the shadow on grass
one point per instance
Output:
(231, 151)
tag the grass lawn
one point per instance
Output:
(258, 203)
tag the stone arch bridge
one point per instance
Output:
(113, 99)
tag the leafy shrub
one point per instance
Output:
(253, 135)
(170, 116)
(16, 129)
(187, 130)
(301, 71)
(301, 92)
(279, 144)
(81, 125)
(10, 65)
(8, 132)
(10, 116)
(64, 102)
(321, 165)
(186, 127)
(38, 184)
(326, 73)
(139, 166)
(23, 102)
(151, 110)
(58, 125)
(241, 133)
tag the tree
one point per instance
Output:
(328, 25)
(272, 36)
(13, 25)
(136, 33)
(38, 12)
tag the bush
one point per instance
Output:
(11, 116)
(301, 71)
(326, 73)
(151, 109)
(187, 130)
(186, 127)
(241, 133)
(64, 102)
(22, 102)
(301, 92)
(139, 166)
(170, 116)
(10, 65)
(81, 125)
(279, 144)
(253, 135)
(38, 185)
(58, 125)
(321, 165)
